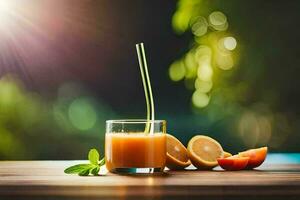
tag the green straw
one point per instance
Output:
(147, 85)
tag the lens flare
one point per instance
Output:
(177, 71)
(249, 129)
(218, 21)
(205, 72)
(82, 114)
(201, 51)
(190, 65)
(203, 86)
(255, 128)
(230, 43)
(199, 26)
(200, 99)
(217, 18)
(224, 61)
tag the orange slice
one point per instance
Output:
(256, 156)
(204, 151)
(227, 154)
(177, 155)
(233, 163)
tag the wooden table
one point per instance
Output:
(46, 179)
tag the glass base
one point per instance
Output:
(137, 170)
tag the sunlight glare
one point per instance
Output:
(5, 8)
(5, 5)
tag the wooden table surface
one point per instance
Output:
(46, 179)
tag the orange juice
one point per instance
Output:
(135, 150)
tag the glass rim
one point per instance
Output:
(133, 121)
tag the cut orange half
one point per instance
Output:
(177, 155)
(204, 151)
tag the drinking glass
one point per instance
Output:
(135, 146)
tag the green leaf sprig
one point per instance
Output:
(86, 169)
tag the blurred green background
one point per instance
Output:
(227, 69)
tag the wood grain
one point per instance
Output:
(35, 179)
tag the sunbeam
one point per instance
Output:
(45, 41)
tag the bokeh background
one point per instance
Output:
(228, 69)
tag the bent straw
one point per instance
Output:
(147, 85)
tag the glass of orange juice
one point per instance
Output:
(135, 146)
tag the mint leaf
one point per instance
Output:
(94, 156)
(95, 170)
(85, 172)
(85, 169)
(77, 168)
